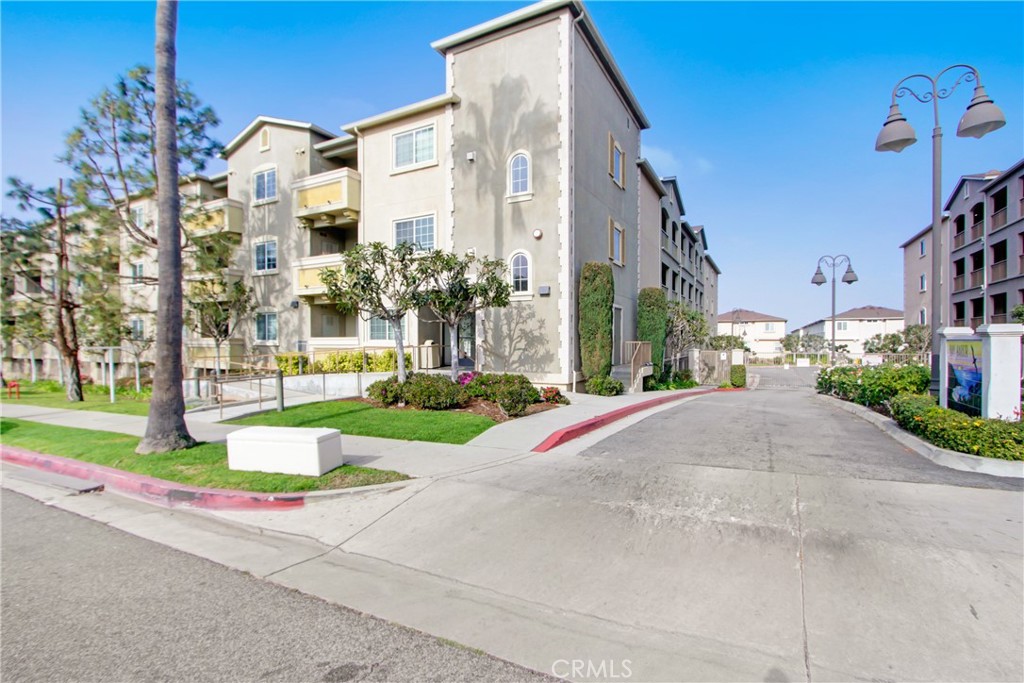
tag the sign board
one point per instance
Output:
(964, 375)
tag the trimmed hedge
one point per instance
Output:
(919, 415)
(652, 323)
(597, 294)
(385, 360)
(603, 385)
(738, 375)
(873, 385)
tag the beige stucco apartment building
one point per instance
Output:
(855, 326)
(762, 333)
(530, 155)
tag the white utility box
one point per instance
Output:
(285, 450)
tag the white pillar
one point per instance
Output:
(1000, 358)
(949, 334)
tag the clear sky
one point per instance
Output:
(766, 112)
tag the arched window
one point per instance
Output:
(519, 174)
(519, 268)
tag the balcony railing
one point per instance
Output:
(327, 199)
(959, 239)
(306, 274)
(959, 322)
(218, 215)
(999, 319)
(998, 219)
(977, 230)
(977, 322)
(978, 277)
(958, 283)
(669, 247)
(998, 271)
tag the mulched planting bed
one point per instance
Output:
(477, 406)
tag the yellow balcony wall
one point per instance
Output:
(219, 215)
(330, 198)
(306, 274)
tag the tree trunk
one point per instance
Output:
(165, 428)
(216, 355)
(138, 377)
(65, 331)
(32, 359)
(453, 337)
(396, 325)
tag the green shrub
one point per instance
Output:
(384, 360)
(652, 323)
(738, 376)
(603, 385)
(386, 391)
(290, 363)
(596, 296)
(874, 385)
(487, 385)
(553, 395)
(956, 431)
(433, 392)
(515, 397)
(683, 376)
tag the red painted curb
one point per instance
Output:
(586, 426)
(151, 489)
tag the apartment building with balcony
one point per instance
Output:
(917, 276)
(987, 247)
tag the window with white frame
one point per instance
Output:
(519, 269)
(922, 247)
(264, 139)
(923, 282)
(519, 174)
(266, 328)
(138, 328)
(381, 330)
(265, 256)
(264, 185)
(841, 325)
(414, 147)
(137, 273)
(419, 232)
(616, 242)
(138, 216)
(769, 327)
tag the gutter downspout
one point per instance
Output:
(573, 331)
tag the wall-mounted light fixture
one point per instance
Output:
(471, 156)
(538, 233)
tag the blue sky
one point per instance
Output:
(766, 112)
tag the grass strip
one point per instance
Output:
(49, 394)
(205, 465)
(363, 419)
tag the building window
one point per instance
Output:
(266, 328)
(264, 139)
(922, 317)
(922, 247)
(519, 268)
(519, 174)
(414, 148)
(137, 274)
(138, 329)
(841, 326)
(381, 330)
(419, 232)
(138, 216)
(265, 255)
(264, 185)
(769, 327)
(923, 282)
(615, 162)
(615, 243)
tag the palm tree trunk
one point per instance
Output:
(166, 429)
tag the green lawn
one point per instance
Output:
(362, 419)
(205, 465)
(51, 395)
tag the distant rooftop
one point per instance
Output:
(742, 315)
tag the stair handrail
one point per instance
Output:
(640, 357)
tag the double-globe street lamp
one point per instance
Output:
(982, 117)
(849, 277)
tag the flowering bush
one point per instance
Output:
(873, 386)
(553, 395)
(919, 415)
(467, 377)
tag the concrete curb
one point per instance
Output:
(150, 489)
(964, 462)
(577, 430)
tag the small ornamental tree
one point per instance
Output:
(378, 281)
(687, 328)
(724, 342)
(791, 342)
(813, 343)
(651, 324)
(458, 286)
(918, 338)
(214, 309)
(597, 294)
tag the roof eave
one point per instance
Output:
(401, 113)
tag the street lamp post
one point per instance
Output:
(982, 117)
(849, 277)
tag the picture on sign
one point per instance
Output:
(963, 379)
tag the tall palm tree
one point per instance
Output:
(166, 429)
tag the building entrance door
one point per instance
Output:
(467, 342)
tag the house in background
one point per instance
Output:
(856, 326)
(762, 333)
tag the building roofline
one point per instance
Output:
(754, 316)
(921, 233)
(401, 113)
(264, 120)
(652, 177)
(999, 178)
(980, 177)
(540, 9)
(671, 180)
(336, 147)
(711, 261)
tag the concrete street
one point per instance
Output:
(761, 535)
(85, 602)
